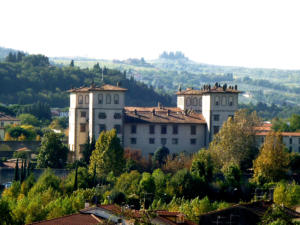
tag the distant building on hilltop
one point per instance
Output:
(188, 127)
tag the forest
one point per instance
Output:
(27, 79)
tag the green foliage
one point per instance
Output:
(235, 142)
(21, 133)
(276, 216)
(287, 194)
(128, 182)
(233, 175)
(28, 119)
(5, 213)
(89, 147)
(160, 155)
(32, 79)
(272, 161)
(160, 181)
(108, 154)
(147, 184)
(52, 153)
(202, 166)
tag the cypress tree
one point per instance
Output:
(94, 176)
(76, 178)
(22, 171)
(28, 168)
(17, 177)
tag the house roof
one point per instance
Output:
(106, 87)
(166, 218)
(263, 127)
(4, 117)
(206, 90)
(162, 115)
(74, 219)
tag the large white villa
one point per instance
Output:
(188, 127)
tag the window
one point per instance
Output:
(230, 101)
(133, 129)
(217, 100)
(200, 102)
(116, 98)
(102, 127)
(133, 141)
(193, 141)
(118, 128)
(299, 149)
(151, 141)
(163, 129)
(223, 100)
(188, 101)
(151, 129)
(216, 117)
(175, 129)
(86, 99)
(117, 116)
(195, 101)
(290, 149)
(174, 141)
(216, 129)
(262, 139)
(80, 99)
(102, 115)
(193, 129)
(82, 114)
(108, 99)
(82, 127)
(163, 141)
(291, 140)
(81, 148)
(100, 98)
(2, 125)
(299, 140)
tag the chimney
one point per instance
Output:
(153, 112)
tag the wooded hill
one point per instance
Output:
(26, 79)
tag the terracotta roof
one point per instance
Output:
(284, 134)
(162, 115)
(190, 91)
(74, 219)
(4, 117)
(25, 149)
(106, 87)
(264, 127)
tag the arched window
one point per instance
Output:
(188, 101)
(102, 115)
(223, 100)
(116, 98)
(80, 99)
(195, 101)
(217, 100)
(108, 99)
(86, 99)
(200, 101)
(230, 101)
(100, 98)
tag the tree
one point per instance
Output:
(5, 213)
(272, 161)
(52, 152)
(29, 119)
(76, 178)
(294, 122)
(72, 63)
(160, 155)
(108, 155)
(89, 147)
(233, 175)
(202, 165)
(17, 175)
(287, 194)
(235, 142)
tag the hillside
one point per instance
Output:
(31, 78)
(271, 86)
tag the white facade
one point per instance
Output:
(188, 127)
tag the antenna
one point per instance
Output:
(102, 71)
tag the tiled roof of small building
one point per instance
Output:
(106, 87)
(74, 219)
(208, 89)
(162, 115)
(4, 117)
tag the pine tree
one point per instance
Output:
(17, 176)
(72, 63)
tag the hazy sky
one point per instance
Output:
(256, 33)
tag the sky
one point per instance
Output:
(252, 33)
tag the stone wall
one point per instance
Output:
(8, 174)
